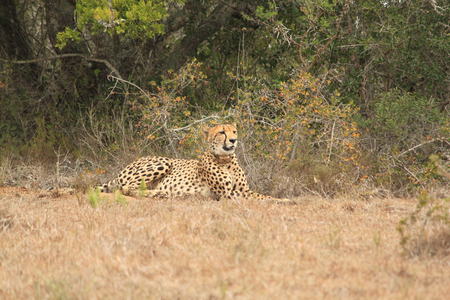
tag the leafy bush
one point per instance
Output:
(404, 130)
(164, 115)
(405, 119)
(133, 18)
(93, 197)
(307, 137)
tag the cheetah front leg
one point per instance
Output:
(258, 196)
(249, 194)
(242, 189)
(220, 185)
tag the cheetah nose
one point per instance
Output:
(232, 141)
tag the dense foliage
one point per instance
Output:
(340, 92)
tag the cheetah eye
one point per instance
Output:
(222, 132)
(234, 132)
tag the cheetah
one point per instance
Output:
(216, 174)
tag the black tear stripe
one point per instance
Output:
(225, 141)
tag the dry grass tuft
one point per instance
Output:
(426, 231)
(61, 247)
(427, 240)
(436, 243)
(6, 220)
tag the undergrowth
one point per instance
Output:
(296, 137)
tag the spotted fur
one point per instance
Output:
(216, 174)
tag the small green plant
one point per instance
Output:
(142, 189)
(120, 198)
(52, 289)
(377, 239)
(93, 197)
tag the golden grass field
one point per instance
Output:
(59, 247)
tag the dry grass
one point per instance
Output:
(58, 247)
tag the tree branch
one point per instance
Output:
(420, 145)
(146, 94)
(66, 55)
(195, 122)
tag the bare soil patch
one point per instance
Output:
(55, 245)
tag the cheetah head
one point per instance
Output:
(222, 139)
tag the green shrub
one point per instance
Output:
(403, 120)
(404, 130)
(132, 18)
